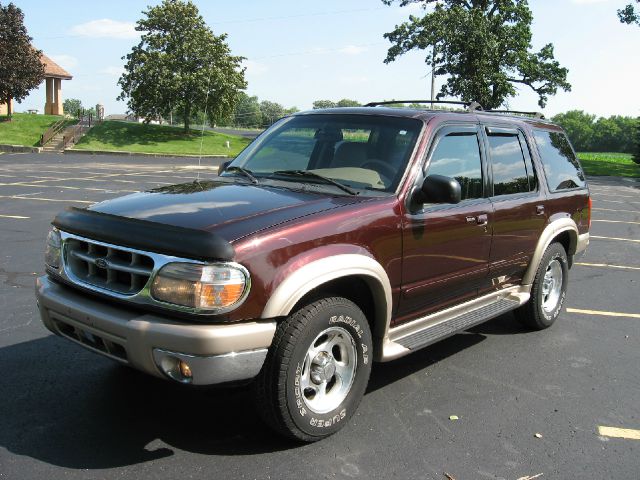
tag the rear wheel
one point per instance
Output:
(548, 291)
(317, 370)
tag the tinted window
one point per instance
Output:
(507, 163)
(561, 166)
(457, 155)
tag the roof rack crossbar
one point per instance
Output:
(517, 112)
(471, 106)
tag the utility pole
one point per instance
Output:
(433, 74)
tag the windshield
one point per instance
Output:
(363, 152)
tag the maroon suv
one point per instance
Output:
(337, 238)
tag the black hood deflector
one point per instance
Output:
(145, 235)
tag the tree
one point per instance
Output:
(271, 111)
(484, 47)
(579, 127)
(247, 112)
(20, 67)
(318, 104)
(180, 65)
(629, 14)
(72, 106)
(588, 134)
(346, 102)
(636, 147)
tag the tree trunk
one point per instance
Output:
(9, 111)
(187, 117)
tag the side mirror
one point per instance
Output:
(439, 189)
(223, 166)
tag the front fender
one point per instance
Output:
(321, 271)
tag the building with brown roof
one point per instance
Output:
(53, 76)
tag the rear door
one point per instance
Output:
(446, 247)
(518, 204)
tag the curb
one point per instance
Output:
(122, 153)
(19, 149)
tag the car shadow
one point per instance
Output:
(69, 407)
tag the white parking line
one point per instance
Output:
(606, 265)
(16, 197)
(19, 217)
(614, 432)
(603, 313)
(615, 238)
(614, 201)
(614, 195)
(615, 221)
(90, 189)
(612, 210)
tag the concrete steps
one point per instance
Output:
(56, 144)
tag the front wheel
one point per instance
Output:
(548, 291)
(317, 370)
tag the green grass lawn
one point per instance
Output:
(614, 164)
(25, 129)
(141, 138)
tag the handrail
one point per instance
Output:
(51, 132)
(73, 137)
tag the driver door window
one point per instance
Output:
(457, 155)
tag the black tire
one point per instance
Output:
(541, 310)
(283, 404)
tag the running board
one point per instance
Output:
(425, 331)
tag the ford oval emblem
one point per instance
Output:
(101, 263)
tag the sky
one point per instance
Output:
(297, 52)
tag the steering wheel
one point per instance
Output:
(384, 169)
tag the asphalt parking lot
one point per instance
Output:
(68, 413)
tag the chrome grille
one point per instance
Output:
(111, 268)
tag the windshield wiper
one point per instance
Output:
(317, 176)
(243, 171)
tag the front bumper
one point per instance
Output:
(215, 353)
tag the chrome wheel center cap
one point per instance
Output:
(323, 368)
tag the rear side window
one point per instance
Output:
(561, 167)
(457, 155)
(508, 164)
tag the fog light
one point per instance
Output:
(173, 367)
(185, 370)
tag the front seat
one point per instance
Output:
(349, 154)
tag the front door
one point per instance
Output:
(446, 247)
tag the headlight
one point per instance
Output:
(52, 252)
(201, 287)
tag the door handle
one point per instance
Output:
(539, 209)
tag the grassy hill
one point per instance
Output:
(614, 164)
(141, 138)
(25, 129)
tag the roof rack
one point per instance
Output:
(516, 112)
(471, 106)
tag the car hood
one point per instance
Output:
(231, 210)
